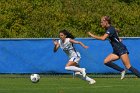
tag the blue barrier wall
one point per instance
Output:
(36, 56)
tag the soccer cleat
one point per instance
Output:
(77, 73)
(92, 81)
(123, 74)
(83, 72)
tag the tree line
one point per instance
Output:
(44, 18)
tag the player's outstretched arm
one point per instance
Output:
(56, 45)
(98, 37)
(77, 42)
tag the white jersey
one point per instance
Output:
(68, 48)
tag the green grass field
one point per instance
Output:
(62, 84)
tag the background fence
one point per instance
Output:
(37, 56)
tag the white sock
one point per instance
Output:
(73, 68)
(87, 78)
(84, 78)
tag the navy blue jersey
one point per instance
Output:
(117, 45)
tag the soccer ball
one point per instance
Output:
(35, 78)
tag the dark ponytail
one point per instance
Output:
(68, 34)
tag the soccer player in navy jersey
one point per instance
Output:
(119, 49)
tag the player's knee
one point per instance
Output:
(66, 68)
(106, 61)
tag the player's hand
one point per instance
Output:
(92, 35)
(89, 33)
(55, 42)
(85, 47)
(120, 39)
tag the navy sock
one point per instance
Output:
(114, 66)
(135, 71)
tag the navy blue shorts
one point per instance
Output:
(120, 51)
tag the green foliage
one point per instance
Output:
(44, 18)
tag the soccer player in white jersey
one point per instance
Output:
(66, 44)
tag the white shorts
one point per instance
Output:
(75, 59)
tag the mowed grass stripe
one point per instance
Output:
(69, 85)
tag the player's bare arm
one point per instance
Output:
(98, 37)
(77, 42)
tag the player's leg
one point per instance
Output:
(126, 62)
(109, 62)
(71, 65)
(86, 78)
